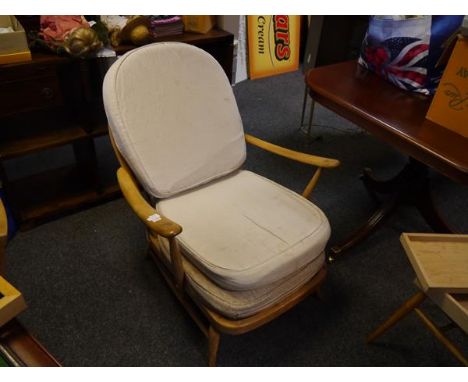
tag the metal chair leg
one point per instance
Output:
(311, 112)
(311, 116)
(304, 103)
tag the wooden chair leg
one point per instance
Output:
(321, 295)
(2, 262)
(213, 345)
(443, 339)
(401, 312)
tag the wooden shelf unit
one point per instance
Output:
(52, 101)
(60, 190)
(30, 139)
(217, 42)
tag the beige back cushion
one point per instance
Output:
(174, 117)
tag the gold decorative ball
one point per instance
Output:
(140, 35)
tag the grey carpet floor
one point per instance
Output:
(94, 299)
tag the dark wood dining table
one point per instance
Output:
(397, 117)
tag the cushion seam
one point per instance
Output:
(303, 200)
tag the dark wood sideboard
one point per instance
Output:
(53, 101)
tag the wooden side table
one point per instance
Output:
(17, 346)
(441, 266)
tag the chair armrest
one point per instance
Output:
(143, 209)
(291, 154)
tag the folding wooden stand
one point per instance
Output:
(17, 346)
(441, 265)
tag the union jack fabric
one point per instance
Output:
(401, 60)
(407, 52)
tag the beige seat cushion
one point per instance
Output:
(241, 304)
(246, 232)
(173, 117)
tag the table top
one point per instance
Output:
(391, 114)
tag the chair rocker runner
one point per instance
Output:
(237, 249)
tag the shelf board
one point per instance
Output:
(214, 35)
(35, 139)
(44, 196)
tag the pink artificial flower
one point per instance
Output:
(55, 29)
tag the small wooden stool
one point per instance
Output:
(17, 346)
(441, 265)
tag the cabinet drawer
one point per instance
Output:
(26, 71)
(30, 94)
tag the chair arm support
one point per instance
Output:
(3, 237)
(291, 154)
(143, 209)
(3, 223)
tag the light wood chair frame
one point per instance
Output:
(3, 237)
(211, 323)
(11, 300)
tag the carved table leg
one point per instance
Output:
(367, 228)
(411, 186)
(425, 205)
(386, 187)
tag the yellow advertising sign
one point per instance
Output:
(449, 107)
(273, 44)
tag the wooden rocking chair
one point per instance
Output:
(236, 249)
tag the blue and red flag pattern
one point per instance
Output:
(406, 52)
(401, 60)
